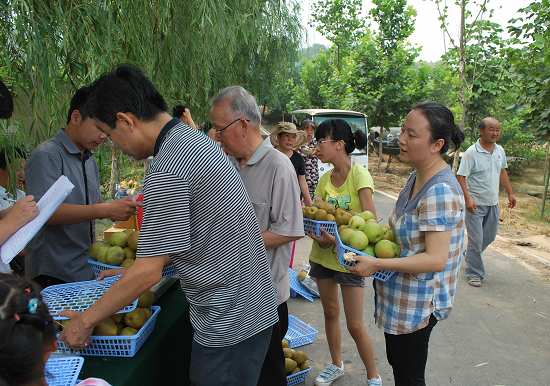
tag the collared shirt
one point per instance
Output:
(405, 302)
(272, 186)
(61, 251)
(482, 171)
(6, 201)
(197, 211)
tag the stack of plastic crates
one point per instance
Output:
(299, 334)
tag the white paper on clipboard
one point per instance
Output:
(47, 205)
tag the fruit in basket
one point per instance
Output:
(374, 231)
(135, 319)
(296, 370)
(290, 365)
(127, 331)
(147, 312)
(129, 253)
(127, 263)
(106, 327)
(284, 343)
(118, 239)
(300, 357)
(146, 299)
(385, 249)
(288, 352)
(367, 215)
(310, 212)
(305, 365)
(356, 221)
(321, 215)
(133, 240)
(117, 318)
(358, 240)
(330, 217)
(369, 250)
(114, 256)
(342, 217)
(345, 235)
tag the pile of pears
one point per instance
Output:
(126, 324)
(323, 211)
(365, 234)
(295, 360)
(120, 250)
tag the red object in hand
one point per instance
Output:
(139, 200)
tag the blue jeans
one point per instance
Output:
(482, 226)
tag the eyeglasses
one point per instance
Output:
(226, 126)
(319, 142)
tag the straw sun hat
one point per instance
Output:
(290, 128)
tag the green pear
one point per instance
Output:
(114, 256)
(118, 239)
(133, 240)
(106, 327)
(384, 249)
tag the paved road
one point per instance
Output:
(496, 335)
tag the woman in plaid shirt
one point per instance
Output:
(428, 221)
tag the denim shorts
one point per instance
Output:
(317, 271)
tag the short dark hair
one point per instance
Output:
(178, 111)
(26, 327)
(307, 122)
(125, 89)
(442, 124)
(6, 155)
(6, 102)
(77, 102)
(340, 130)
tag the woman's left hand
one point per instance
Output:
(365, 265)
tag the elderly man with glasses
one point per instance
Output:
(271, 183)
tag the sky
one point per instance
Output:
(428, 35)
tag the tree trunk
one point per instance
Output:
(546, 179)
(115, 174)
(380, 149)
(461, 71)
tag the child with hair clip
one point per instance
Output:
(27, 334)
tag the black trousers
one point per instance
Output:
(407, 355)
(273, 370)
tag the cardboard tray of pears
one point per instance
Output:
(121, 335)
(118, 251)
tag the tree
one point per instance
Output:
(190, 53)
(395, 24)
(339, 22)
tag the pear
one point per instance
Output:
(106, 327)
(127, 263)
(288, 352)
(290, 365)
(135, 319)
(300, 357)
(384, 249)
(133, 240)
(284, 343)
(146, 299)
(118, 239)
(114, 255)
(129, 253)
(127, 331)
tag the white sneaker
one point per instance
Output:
(329, 374)
(375, 381)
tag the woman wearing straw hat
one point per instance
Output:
(286, 138)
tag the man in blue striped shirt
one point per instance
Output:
(198, 216)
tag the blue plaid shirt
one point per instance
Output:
(405, 302)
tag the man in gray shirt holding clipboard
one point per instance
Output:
(59, 252)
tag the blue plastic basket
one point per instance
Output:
(299, 332)
(115, 346)
(78, 296)
(297, 288)
(297, 378)
(63, 370)
(313, 226)
(97, 266)
(341, 249)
